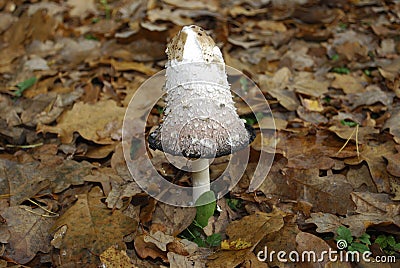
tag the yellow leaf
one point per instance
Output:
(237, 244)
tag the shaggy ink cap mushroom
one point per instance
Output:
(200, 119)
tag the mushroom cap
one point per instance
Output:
(202, 139)
(200, 119)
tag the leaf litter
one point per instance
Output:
(69, 69)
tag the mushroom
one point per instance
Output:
(200, 121)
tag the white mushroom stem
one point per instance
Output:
(200, 177)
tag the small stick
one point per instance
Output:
(347, 141)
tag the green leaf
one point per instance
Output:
(341, 70)
(344, 233)
(200, 242)
(24, 86)
(396, 247)
(335, 57)
(381, 240)
(204, 212)
(214, 240)
(233, 203)
(391, 241)
(355, 246)
(365, 239)
(348, 123)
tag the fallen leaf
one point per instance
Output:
(159, 239)
(345, 132)
(284, 239)
(276, 86)
(29, 233)
(309, 242)
(92, 228)
(372, 95)
(393, 166)
(88, 120)
(121, 191)
(330, 193)
(174, 219)
(367, 202)
(348, 83)
(82, 9)
(135, 66)
(393, 123)
(145, 250)
(305, 83)
(326, 222)
(373, 154)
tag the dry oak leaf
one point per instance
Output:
(29, 233)
(394, 163)
(98, 122)
(393, 123)
(309, 242)
(92, 228)
(329, 193)
(260, 225)
(276, 86)
(23, 180)
(374, 155)
(284, 239)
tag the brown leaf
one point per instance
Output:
(345, 132)
(284, 239)
(359, 223)
(121, 191)
(309, 242)
(145, 250)
(175, 219)
(330, 193)
(372, 95)
(373, 154)
(326, 222)
(394, 163)
(276, 86)
(135, 66)
(393, 123)
(348, 83)
(89, 120)
(367, 202)
(92, 228)
(312, 151)
(260, 223)
(305, 83)
(82, 8)
(29, 233)
(352, 50)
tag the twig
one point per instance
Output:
(347, 141)
(29, 146)
(52, 214)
